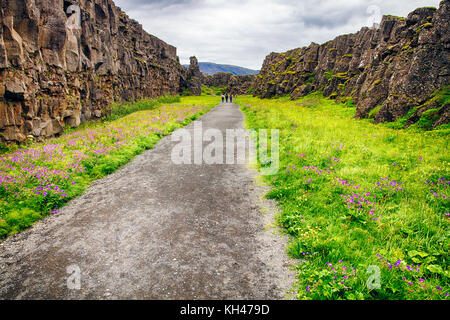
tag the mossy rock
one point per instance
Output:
(342, 75)
(329, 75)
(396, 17)
(428, 118)
(373, 113)
(334, 95)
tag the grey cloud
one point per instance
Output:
(154, 4)
(332, 19)
(157, 2)
(243, 32)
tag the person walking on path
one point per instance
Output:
(223, 98)
(226, 97)
(231, 98)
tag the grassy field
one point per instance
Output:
(359, 198)
(38, 179)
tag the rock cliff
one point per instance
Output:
(194, 78)
(64, 62)
(389, 71)
(235, 84)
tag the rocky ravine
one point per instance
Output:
(391, 69)
(55, 71)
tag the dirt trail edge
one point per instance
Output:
(156, 230)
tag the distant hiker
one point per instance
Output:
(226, 97)
(223, 98)
(231, 98)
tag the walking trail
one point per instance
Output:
(156, 230)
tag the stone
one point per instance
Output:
(73, 121)
(13, 134)
(50, 128)
(14, 90)
(29, 126)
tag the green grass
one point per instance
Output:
(39, 179)
(328, 158)
(119, 110)
(212, 91)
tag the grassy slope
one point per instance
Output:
(37, 180)
(354, 194)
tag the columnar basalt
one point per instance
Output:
(194, 78)
(64, 62)
(388, 71)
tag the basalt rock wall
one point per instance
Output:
(389, 70)
(65, 62)
(238, 85)
(194, 78)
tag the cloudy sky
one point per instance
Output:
(243, 32)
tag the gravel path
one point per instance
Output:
(155, 230)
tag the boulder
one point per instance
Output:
(14, 90)
(12, 134)
(50, 128)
